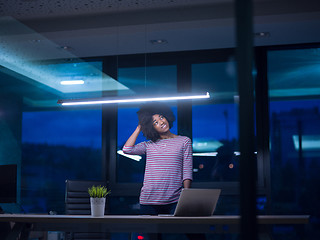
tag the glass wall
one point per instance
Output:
(51, 144)
(293, 77)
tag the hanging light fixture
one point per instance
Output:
(113, 100)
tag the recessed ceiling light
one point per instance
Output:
(158, 41)
(65, 48)
(72, 82)
(262, 34)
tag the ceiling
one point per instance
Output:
(67, 29)
(111, 27)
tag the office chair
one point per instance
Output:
(77, 202)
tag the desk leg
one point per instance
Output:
(19, 231)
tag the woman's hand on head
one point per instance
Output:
(132, 139)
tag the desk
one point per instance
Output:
(139, 223)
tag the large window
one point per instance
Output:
(293, 77)
(58, 145)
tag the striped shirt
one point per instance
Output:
(168, 164)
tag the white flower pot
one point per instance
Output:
(97, 206)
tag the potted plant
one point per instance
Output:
(98, 200)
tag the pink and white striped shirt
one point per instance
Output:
(168, 164)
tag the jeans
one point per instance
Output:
(157, 209)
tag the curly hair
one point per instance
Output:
(146, 122)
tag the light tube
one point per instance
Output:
(73, 102)
(238, 153)
(206, 154)
(72, 82)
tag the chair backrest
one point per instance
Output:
(77, 199)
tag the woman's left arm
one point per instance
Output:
(187, 164)
(187, 183)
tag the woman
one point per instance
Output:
(168, 159)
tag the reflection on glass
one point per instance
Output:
(215, 142)
(294, 147)
(294, 73)
(294, 88)
(215, 126)
(25, 55)
(155, 80)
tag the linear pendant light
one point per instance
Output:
(74, 102)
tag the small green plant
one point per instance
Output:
(98, 191)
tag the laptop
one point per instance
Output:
(197, 202)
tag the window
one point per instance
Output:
(215, 124)
(58, 145)
(293, 77)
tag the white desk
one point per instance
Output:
(24, 223)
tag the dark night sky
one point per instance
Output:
(70, 128)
